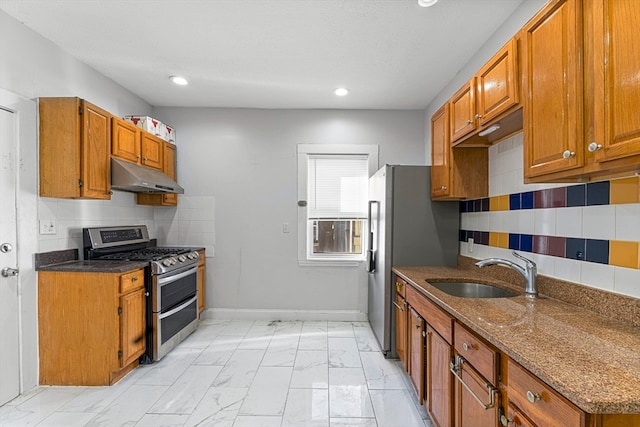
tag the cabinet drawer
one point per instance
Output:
(549, 408)
(401, 287)
(440, 321)
(131, 281)
(483, 358)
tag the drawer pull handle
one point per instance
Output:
(533, 397)
(455, 368)
(466, 346)
(134, 279)
(399, 287)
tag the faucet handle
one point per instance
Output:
(526, 260)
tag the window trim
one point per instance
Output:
(303, 150)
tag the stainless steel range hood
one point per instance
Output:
(127, 176)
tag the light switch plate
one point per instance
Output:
(48, 226)
(285, 227)
(470, 245)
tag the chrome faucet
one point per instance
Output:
(529, 272)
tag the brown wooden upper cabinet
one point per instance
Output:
(130, 143)
(491, 95)
(455, 173)
(581, 80)
(74, 149)
(169, 169)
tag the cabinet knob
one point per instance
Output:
(478, 116)
(138, 156)
(466, 346)
(443, 188)
(594, 146)
(533, 397)
(134, 279)
(505, 421)
(568, 154)
(469, 122)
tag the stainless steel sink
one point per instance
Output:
(472, 290)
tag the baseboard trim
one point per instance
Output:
(256, 314)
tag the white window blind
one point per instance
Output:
(337, 186)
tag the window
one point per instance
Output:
(333, 184)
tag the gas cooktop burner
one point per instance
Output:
(150, 254)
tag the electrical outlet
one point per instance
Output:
(470, 245)
(285, 227)
(48, 226)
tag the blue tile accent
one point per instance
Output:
(514, 202)
(477, 236)
(514, 241)
(485, 204)
(477, 205)
(598, 251)
(526, 242)
(462, 207)
(463, 235)
(526, 200)
(598, 193)
(576, 195)
(575, 249)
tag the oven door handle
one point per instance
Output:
(174, 277)
(179, 308)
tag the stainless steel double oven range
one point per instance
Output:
(171, 282)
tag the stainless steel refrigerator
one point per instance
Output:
(405, 229)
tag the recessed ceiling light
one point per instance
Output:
(179, 80)
(427, 3)
(341, 91)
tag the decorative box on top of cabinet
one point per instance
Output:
(582, 91)
(91, 326)
(74, 140)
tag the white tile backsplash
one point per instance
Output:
(598, 222)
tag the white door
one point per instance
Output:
(9, 341)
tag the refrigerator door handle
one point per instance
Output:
(371, 255)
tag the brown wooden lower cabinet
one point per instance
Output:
(417, 334)
(486, 371)
(91, 326)
(400, 308)
(439, 379)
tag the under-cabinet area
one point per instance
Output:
(513, 361)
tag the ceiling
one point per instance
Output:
(390, 54)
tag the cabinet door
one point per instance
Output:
(416, 352)
(132, 326)
(552, 79)
(125, 140)
(462, 109)
(468, 411)
(439, 379)
(96, 153)
(151, 150)
(616, 79)
(497, 84)
(400, 308)
(440, 153)
(169, 169)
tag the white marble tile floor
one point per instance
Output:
(243, 374)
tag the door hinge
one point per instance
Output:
(80, 183)
(119, 354)
(119, 311)
(80, 110)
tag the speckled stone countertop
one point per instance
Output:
(593, 361)
(78, 266)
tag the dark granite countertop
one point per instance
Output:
(79, 266)
(592, 360)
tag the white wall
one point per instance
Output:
(31, 67)
(246, 160)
